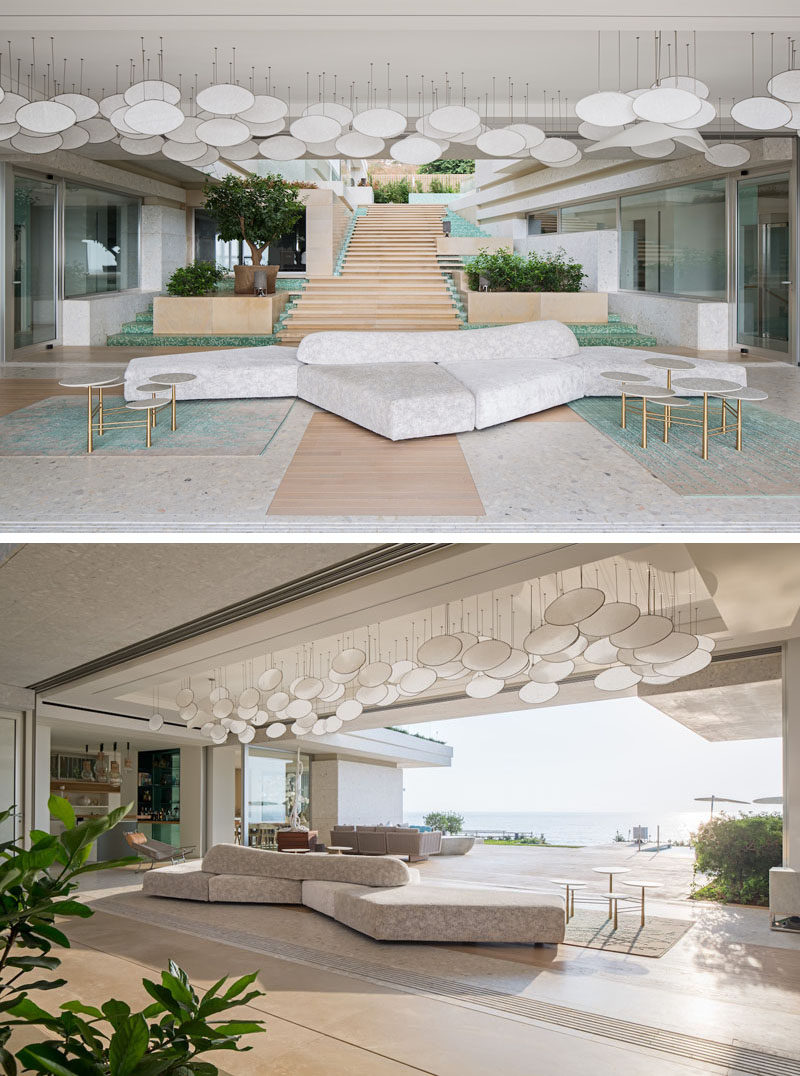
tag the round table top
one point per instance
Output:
(706, 384)
(612, 870)
(623, 375)
(151, 386)
(144, 405)
(648, 392)
(666, 362)
(339, 847)
(295, 851)
(745, 393)
(173, 379)
(571, 882)
(85, 382)
(639, 884)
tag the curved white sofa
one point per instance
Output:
(408, 384)
(376, 895)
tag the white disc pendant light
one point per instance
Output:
(276, 729)
(454, 119)
(278, 701)
(36, 143)
(225, 99)
(786, 86)
(349, 710)
(415, 150)
(391, 696)
(341, 678)
(601, 652)
(655, 149)
(348, 661)
(8, 130)
(222, 132)
(375, 674)
(608, 108)
(298, 708)
(270, 679)
(550, 638)
(187, 132)
(574, 606)
(380, 123)
(10, 105)
(261, 718)
(568, 162)
(249, 698)
(154, 117)
(684, 82)
(222, 708)
(156, 722)
(74, 138)
(727, 155)
(109, 105)
(316, 128)
(340, 113)
(573, 651)
(692, 663)
(535, 693)
(308, 687)
(333, 724)
(184, 697)
(371, 696)
(265, 130)
(100, 130)
(188, 713)
(354, 144)
(439, 650)
(141, 147)
(613, 616)
(516, 663)
(677, 645)
(705, 642)
(331, 692)
(554, 151)
(247, 734)
(666, 104)
(188, 152)
(706, 114)
(501, 142)
(761, 113)
(647, 630)
(486, 655)
(594, 132)
(45, 117)
(84, 107)
(264, 109)
(549, 672)
(482, 686)
(154, 89)
(218, 693)
(534, 136)
(416, 681)
(297, 729)
(282, 148)
(617, 679)
(399, 670)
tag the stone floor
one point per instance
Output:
(729, 980)
(543, 476)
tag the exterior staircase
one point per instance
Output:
(389, 279)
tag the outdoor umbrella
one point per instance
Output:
(769, 799)
(716, 799)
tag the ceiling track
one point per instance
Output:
(354, 568)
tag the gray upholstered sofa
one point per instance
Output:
(387, 840)
(377, 895)
(417, 384)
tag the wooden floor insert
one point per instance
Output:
(340, 469)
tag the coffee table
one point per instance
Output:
(611, 871)
(647, 392)
(338, 849)
(570, 885)
(628, 378)
(150, 406)
(740, 394)
(707, 386)
(639, 884)
(170, 381)
(90, 384)
(668, 363)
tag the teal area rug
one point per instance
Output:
(768, 465)
(57, 427)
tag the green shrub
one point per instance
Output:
(396, 190)
(506, 271)
(257, 209)
(737, 854)
(454, 167)
(199, 278)
(446, 821)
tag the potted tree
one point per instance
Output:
(257, 209)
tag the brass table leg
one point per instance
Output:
(152, 411)
(705, 425)
(149, 410)
(669, 386)
(90, 445)
(644, 422)
(624, 414)
(100, 415)
(611, 890)
(724, 416)
(642, 905)
(572, 904)
(738, 425)
(566, 910)
(615, 902)
(666, 425)
(174, 423)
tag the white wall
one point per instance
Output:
(41, 777)
(598, 253)
(192, 796)
(354, 793)
(677, 322)
(220, 796)
(791, 754)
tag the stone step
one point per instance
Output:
(136, 328)
(162, 340)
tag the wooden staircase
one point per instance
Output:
(390, 279)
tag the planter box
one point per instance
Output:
(509, 307)
(217, 315)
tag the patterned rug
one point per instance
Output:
(768, 465)
(594, 930)
(57, 427)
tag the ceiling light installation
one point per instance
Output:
(616, 626)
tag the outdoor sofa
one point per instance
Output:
(377, 895)
(417, 384)
(387, 840)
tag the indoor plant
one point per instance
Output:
(199, 278)
(257, 210)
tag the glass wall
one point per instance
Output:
(762, 264)
(271, 781)
(101, 241)
(544, 223)
(673, 242)
(34, 261)
(594, 217)
(8, 775)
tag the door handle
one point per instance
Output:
(786, 282)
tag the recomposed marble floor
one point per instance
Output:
(531, 476)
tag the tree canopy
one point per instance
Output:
(257, 209)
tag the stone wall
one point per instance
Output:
(354, 793)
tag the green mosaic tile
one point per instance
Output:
(153, 340)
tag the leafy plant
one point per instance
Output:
(167, 1036)
(257, 209)
(446, 821)
(395, 190)
(504, 270)
(619, 838)
(199, 278)
(737, 854)
(442, 167)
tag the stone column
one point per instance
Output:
(791, 754)
(163, 245)
(220, 805)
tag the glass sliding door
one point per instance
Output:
(763, 284)
(8, 776)
(35, 261)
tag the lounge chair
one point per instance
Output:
(157, 851)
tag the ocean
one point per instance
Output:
(576, 827)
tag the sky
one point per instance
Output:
(611, 755)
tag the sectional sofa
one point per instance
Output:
(377, 895)
(416, 384)
(387, 840)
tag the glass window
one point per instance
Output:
(594, 217)
(673, 240)
(34, 261)
(271, 779)
(101, 241)
(208, 247)
(762, 271)
(545, 223)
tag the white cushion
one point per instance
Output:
(393, 399)
(510, 388)
(532, 339)
(595, 360)
(229, 374)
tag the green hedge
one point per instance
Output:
(199, 278)
(506, 271)
(737, 854)
(446, 821)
